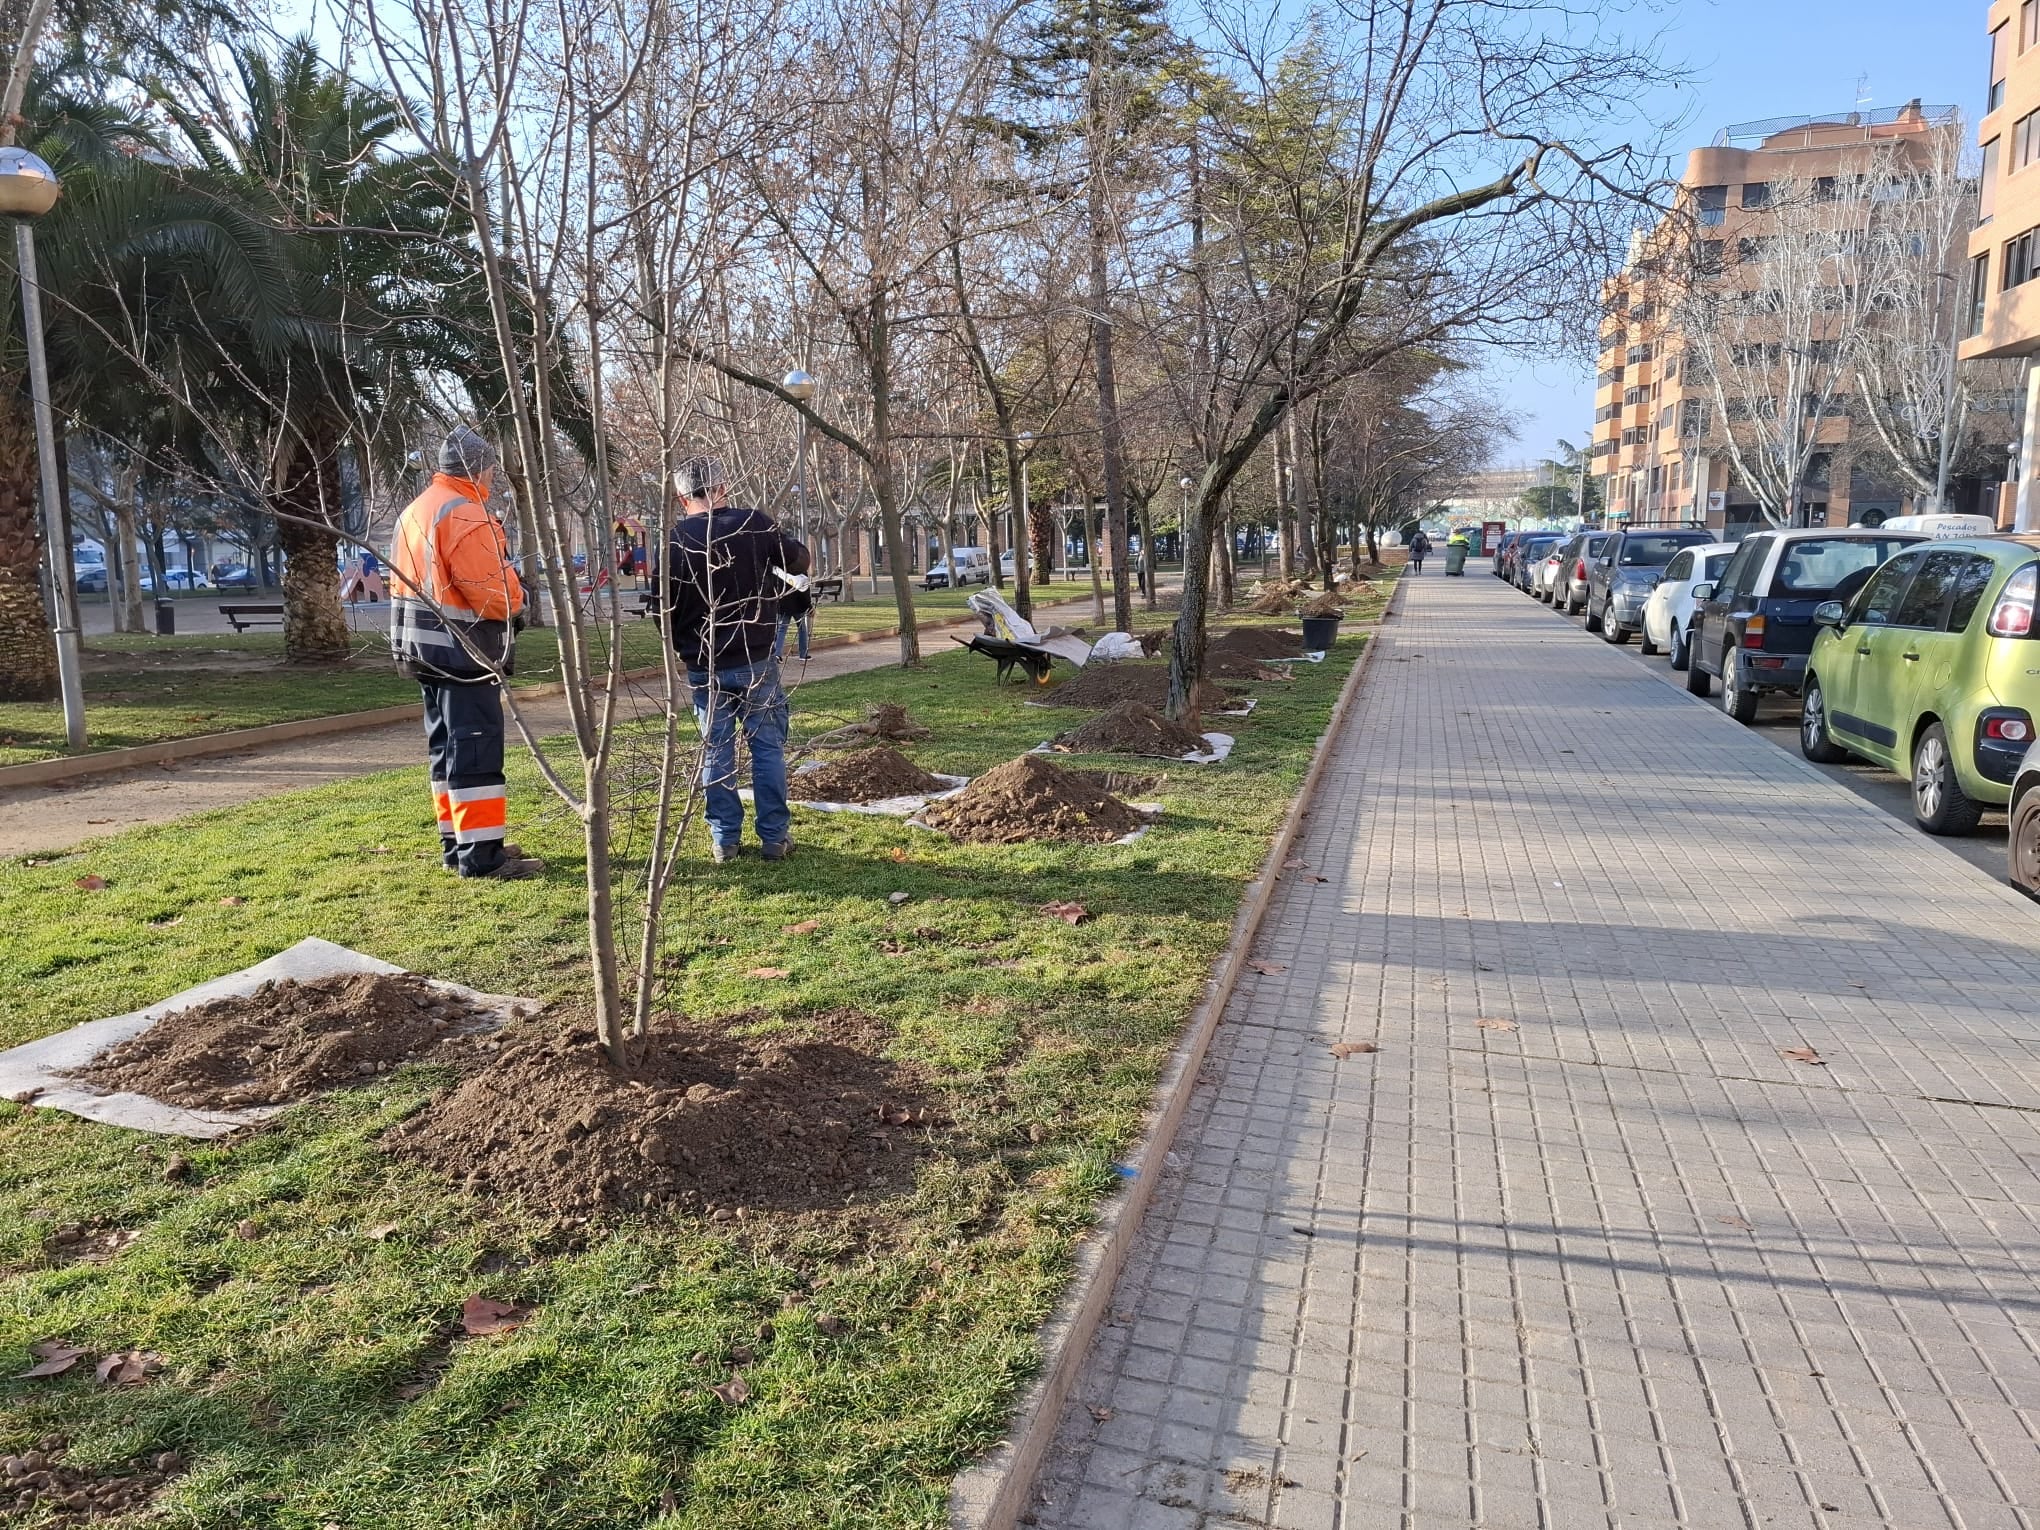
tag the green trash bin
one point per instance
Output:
(1455, 557)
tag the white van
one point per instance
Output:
(1941, 528)
(964, 565)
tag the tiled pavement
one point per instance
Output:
(1578, 1246)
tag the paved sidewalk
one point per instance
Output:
(1578, 1246)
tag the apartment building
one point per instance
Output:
(2004, 250)
(1659, 449)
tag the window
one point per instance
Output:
(1999, 62)
(1979, 289)
(1986, 191)
(1680, 567)
(1652, 551)
(1753, 249)
(1758, 193)
(2025, 141)
(1813, 566)
(1632, 396)
(1879, 600)
(1711, 203)
(1692, 417)
(1707, 257)
(2029, 24)
(1926, 598)
(1970, 584)
(1637, 353)
(1826, 189)
(2020, 265)
(1741, 572)
(1606, 376)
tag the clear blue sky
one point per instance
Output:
(1751, 59)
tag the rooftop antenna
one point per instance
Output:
(1863, 96)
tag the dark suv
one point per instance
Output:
(1628, 569)
(1753, 627)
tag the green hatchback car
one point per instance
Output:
(1933, 670)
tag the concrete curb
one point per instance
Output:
(993, 1493)
(45, 772)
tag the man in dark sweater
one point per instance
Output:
(723, 593)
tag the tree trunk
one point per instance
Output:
(1228, 576)
(307, 506)
(28, 651)
(1186, 643)
(1147, 552)
(130, 552)
(1111, 442)
(1023, 594)
(1091, 557)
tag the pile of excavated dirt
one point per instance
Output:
(36, 1484)
(1275, 597)
(286, 1040)
(869, 775)
(1231, 666)
(1031, 799)
(1328, 604)
(1108, 684)
(697, 1119)
(1257, 643)
(1130, 728)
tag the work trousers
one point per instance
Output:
(464, 735)
(747, 696)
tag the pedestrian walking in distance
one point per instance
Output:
(723, 593)
(1420, 547)
(456, 604)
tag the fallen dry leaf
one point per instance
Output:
(1103, 1415)
(899, 852)
(1496, 1025)
(1802, 1054)
(1344, 1049)
(767, 972)
(23, 1096)
(805, 927)
(91, 884)
(234, 902)
(1068, 913)
(830, 1324)
(1294, 863)
(129, 1368)
(1269, 969)
(734, 1391)
(53, 1357)
(246, 1230)
(384, 1232)
(1733, 1222)
(482, 1315)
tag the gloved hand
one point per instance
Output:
(797, 582)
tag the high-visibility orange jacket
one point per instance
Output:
(453, 590)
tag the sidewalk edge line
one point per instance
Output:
(198, 745)
(992, 1492)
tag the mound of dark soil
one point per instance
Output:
(1106, 685)
(1130, 728)
(698, 1119)
(869, 775)
(36, 1484)
(284, 1041)
(1032, 799)
(1232, 666)
(1257, 643)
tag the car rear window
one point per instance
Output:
(1595, 544)
(1810, 569)
(1652, 552)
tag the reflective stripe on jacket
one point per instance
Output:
(453, 590)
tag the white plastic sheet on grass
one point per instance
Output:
(1216, 747)
(43, 1068)
(884, 807)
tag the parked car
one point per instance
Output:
(1544, 584)
(2022, 852)
(1933, 670)
(1668, 614)
(964, 565)
(1627, 570)
(234, 576)
(174, 578)
(1569, 589)
(1503, 548)
(1754, 625)
(1527, 554)
(89, 578)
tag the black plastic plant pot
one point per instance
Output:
(1319, 633)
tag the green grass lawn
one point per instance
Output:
(145, 689)
(310, 1379)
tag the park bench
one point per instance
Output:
(826, 589)
(244, 617)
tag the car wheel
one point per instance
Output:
(2023, 853)
(1593, 622)
(1940, 806)
(1698, 681)
(1644, 645)
(1613, 630)
(1737, 699)
(1814, 741)
(1682, 647)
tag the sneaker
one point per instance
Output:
(722, 855)
(522, 868)
(776, 850)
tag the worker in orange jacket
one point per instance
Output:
(455, 606)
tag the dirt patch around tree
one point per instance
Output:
(1258, 643)
(285, 1041)
(1104, 685)
(1033, 799)
(1231, 666)
(36, 1485)
(1130, 728)
(868, 775)
(698, 1120)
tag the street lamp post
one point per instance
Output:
(28, 189)
(800, 385)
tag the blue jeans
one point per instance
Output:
(749, 694)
